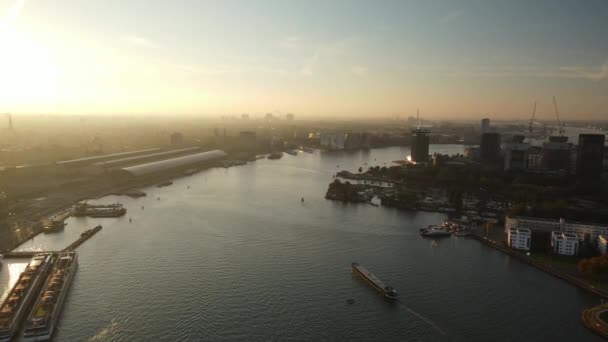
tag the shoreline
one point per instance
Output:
(558, 274)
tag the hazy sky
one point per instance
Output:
(314, 58)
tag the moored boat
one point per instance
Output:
(434, 231)
(22, 294)
(43, 319)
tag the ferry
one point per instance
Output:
(22, 294)
(44, 316)
(387, 291)
(434, 231)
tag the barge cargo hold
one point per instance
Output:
(44, 316)
(387, 291)
(19, 299)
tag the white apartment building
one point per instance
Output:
(564, 243)
(519, 238)
(584, 231)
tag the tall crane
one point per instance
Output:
(532, 119)
(560, 126)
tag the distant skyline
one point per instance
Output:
(451, 59)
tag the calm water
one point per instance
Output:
(239, 257)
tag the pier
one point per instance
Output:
(87, 234)
(83, 237)
(25, 254)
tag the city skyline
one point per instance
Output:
(456, 60)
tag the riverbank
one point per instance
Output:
(586, 286)
(25, 226)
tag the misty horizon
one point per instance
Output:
(454, 61)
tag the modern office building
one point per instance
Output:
(485, 125)
(519, 238)
(490, 147)
(564, 243)
(333, 140)
(420, 144)
(590, 157)
(556, 154)
(516, 153)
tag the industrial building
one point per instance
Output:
(519, 238)
(564, 243)
(590, 157)
(173, 164)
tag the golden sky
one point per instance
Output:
(459, 59)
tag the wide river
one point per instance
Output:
(235, 255)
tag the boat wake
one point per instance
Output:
(424, 319)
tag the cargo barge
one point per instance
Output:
(43, 319)
(99, 210)
(19, 299)
(387, 291)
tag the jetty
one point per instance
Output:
(87, 234)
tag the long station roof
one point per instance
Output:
(114, 162)
(167, 164)
(90, 160)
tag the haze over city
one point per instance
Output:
(454, 60)
(303, 170)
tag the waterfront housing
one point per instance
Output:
(584, 231)
(564, 243)
(519, 238)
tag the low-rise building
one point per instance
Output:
(564, 243)
(519, 238)
(584, 231)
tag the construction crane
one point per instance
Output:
(560, 126)
(532, 119)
